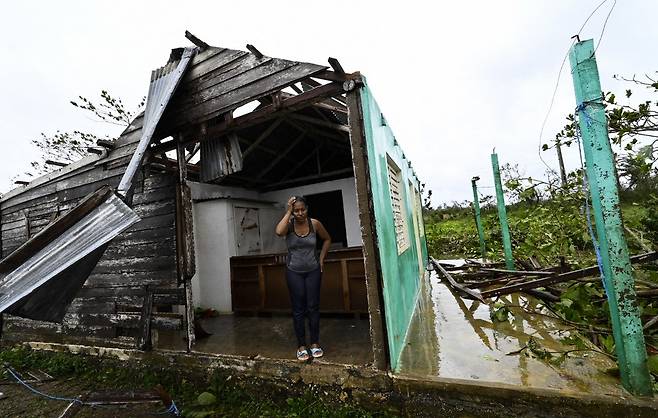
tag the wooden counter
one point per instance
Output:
(258, 283)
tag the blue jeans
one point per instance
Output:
(304, 289)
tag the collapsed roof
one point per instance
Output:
(295, 133)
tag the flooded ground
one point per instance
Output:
(456, 338)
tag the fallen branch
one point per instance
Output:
(473, 293)
(650, 323)
(565, 277)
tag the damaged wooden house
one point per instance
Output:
(172, 224)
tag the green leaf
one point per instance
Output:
(652, 364)
(206, 398)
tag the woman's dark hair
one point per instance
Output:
(301, 199)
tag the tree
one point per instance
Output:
(633, 129)
(67, 147)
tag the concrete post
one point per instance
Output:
(478, 220)
(502, 213)
(614, 258)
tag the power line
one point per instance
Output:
(598, 43)
(559, 75)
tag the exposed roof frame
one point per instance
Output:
(282, 155)
(261, 115)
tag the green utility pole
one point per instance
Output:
(478, 220)
(502, 213)
(602, 177)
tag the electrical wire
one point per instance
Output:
(588, 216)
(559, 75)
(45, 395)
(598, 43)
(173, 409)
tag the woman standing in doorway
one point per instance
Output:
(304, 272)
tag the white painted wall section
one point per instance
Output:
(214, 244)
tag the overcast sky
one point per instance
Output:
(454, 79)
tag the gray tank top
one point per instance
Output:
(302, 256)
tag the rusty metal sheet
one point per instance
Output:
(164, 81)
(220, 157)
(76, 245)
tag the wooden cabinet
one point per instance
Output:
(258, 283)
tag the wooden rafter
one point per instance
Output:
(290, 147)
(259, 116)
(318, 122)
(311, 177)
(263, 136)
(338, 138)
(337, 67)
(301, 162)
(192, 153)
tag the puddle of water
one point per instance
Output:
(456, 338)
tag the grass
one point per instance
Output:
(217, 395)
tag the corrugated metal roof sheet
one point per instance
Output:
(164, 81)
(220, 157)
(88, 234)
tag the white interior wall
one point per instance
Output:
(212, 227)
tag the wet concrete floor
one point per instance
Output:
(456, 338)
(344, 340)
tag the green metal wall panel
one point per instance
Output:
(401, 273)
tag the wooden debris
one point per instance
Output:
(463, 289)
(565, 277)
(519, 272)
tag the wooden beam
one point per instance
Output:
(334, 108)
(196, 41)
(310, 155)
(336, 66)
(263, 136)
(259, 116)
(255, 51)
(309, 83)
(105, 143)
(184, 225)
(334, 76)
(297, 89)
(337, 138)
(371, 260)
(282, 155)
(56, 163)
(260, 147)
(324, 124)
(313, 177)
(192, 153)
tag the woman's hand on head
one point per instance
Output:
(291, 202)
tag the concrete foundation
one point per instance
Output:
(417, 396)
